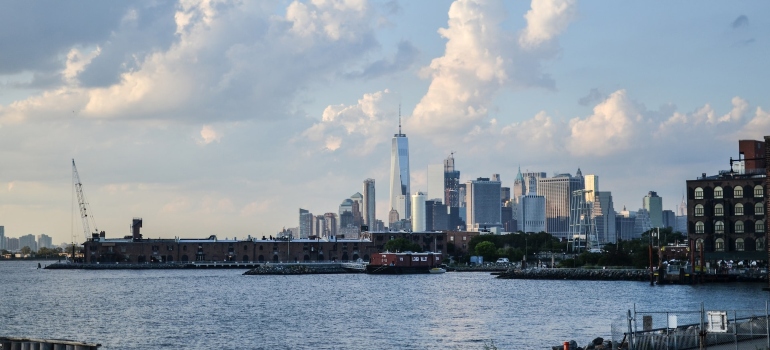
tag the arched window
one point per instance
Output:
(739, 226)
(719, 245)
(739, 245)
(759, 209)
(760, 244)
(699, 244)
(739, 209)
(700, 227)
(718, 192)
(719, 210)
(698, 193)
(719, 227)
(738, 192)
(699, 210)
(759, 192)
(759, 226)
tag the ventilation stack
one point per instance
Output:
(136, 225)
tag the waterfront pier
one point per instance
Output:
(8, 343)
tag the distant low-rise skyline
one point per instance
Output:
(225, 118)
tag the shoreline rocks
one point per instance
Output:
(578, 274)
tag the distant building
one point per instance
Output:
(681, 217)
(604, 217)
(436, 216)
(44, 241)
(642, 223)
(28, 241)
(483, 204)
(753, 153)
(557, 191)
(370, 216)
(654, 206)
(357, 209)
(418, 212)
(624, 224)
(399, 174)
(305, 223)
(12, 244)
(330, 230)
(669, 219)
(392, 217)
(531, 213)
(451, 183)
(2, 237)
(436, 182)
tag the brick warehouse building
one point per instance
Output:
(136, 249)
(727, 213)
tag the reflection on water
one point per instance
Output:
(223, 309)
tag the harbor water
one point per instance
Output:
(203, 309)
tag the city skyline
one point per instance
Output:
(177, 112)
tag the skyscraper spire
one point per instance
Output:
(399, 123)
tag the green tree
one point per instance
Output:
(402, 245)
(26, 250)
(487, 250)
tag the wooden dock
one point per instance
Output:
(7, 343)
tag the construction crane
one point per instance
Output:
(88, 221)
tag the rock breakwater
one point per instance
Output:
(286, 269)
(578, 274)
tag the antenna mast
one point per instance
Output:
(399, 119)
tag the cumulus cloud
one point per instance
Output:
(608, 130)
(545, 20)
(593, 97)
(403, 59)
(480, 59)
(363, 125)
(208, 70)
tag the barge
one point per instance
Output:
(389, 263)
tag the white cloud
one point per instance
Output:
(208, 135)
(610, 129)
(469, 74)
(545, 20)
(357, 128)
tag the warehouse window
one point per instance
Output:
(739, 209)
(720, 245)
(718, 192)
(759, 192)
(738, 192)
(719, 227)
(719, 210)
(739, 245)
(698, 193)
(699, 210)
(739, 226)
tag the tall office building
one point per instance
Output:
(643, 223)
(330, 221)
(399, 174)
(319, 226)
(305, 223)
(531, 213)
(624, 224)
(2, 237)
(604, 216)
(591, 184)
(436, 182)
(451, 183)
(654, 206)
(557, 191)
(483, 204)
(358, 209)
(436, 216)
(44, 241)
(418, 212)
(28, 241)
(370, 217)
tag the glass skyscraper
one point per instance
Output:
(399, 175)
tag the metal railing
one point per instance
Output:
(692, 329)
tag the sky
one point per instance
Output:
(226, 117)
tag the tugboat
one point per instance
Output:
(389, 263)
